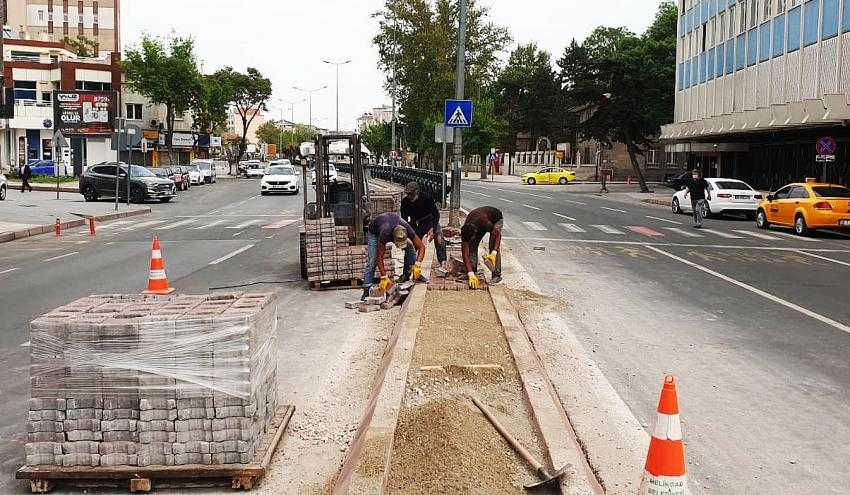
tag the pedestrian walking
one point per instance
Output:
(391, 228)
(698, 190)
(479, 222)
(421, 212)
(26, 175)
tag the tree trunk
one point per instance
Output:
(630, 146)
(169, 132)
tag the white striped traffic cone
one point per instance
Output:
(157, 280)
(664, 473)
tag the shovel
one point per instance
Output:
(546, 477)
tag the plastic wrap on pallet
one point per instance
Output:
(154, 346)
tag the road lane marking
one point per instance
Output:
(758, 235)
(757, 291)
(506, 200)
(571, 227)
(571, 219)
(479, 194)
(230, 255)
(574, 202)
(177, 224)
(142, 225)
(9, 270)
(26, 344)
(722, 234)
(613, 209)
(239, 233)
(795, 237)
(665, 220)
(213, 224)
(839, 262)
(683, 232)
(527, 194)
(244, 224)
(119, 223)
(60, 256)
(637, 229)
(281, 224)
(608, 229)
(731, 247)
(532, 207)
(534, 226)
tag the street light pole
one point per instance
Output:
(310, 99)
(337, 64)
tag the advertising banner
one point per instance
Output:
(84, 112)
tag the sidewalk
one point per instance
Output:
(34, 213)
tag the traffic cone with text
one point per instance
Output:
(157, 280)
(664, 473)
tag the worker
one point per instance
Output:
(421, 212)
(481, 221)
(386, 228)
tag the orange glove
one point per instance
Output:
(385, 283)
(491, 258)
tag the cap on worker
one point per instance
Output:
(400, 237)
(411, 188)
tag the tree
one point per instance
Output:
(251, 92)
(289, 139)
(378, 138)
(210, 101)
(82, 46)
(166, 75)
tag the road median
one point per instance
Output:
(70, 224)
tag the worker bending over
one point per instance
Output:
(480, 221)
(421, 212)
(386, 228)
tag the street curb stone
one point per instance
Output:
(44, 229)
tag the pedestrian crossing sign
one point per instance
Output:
(458, 114)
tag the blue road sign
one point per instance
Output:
(458, 114)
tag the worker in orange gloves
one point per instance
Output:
(481, 221)
(391, 228)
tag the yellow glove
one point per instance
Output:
(474, 283)
(417, 271)
(385, 283)
(491, 258)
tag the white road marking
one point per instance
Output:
(758, 235)
(564, 217)
(839, 262)
(574, 202)
(9, 270)
(795, 237)
(244, 224)
(479, 194)
(119, 223)
(534, 226)
(281, 224)
(613, 209)
(722, 234)
(571, 227)
(239, 233)
(686, 233)
(230, 255)
(570, 240)
(532, 207)
(608, 229)
(213, 224)
(506, 200)
(754, 290)
(177, 224)
(665, 220)
(60, 256)
(142, 225)
(26, 344)
(527, 194)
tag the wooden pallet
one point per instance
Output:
(353, 283)
(140, 479)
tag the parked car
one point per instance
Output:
(332, 174)
(807, 206)
(549, 175)
(727, 196)
(194, 175)
(676, 181)
(43, 167)
(99, 181)
(255, 169)
(207, 168)
(279, 178)
(183, 170)
(170, 173)
(4, 187)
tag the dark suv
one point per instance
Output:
(99, 181)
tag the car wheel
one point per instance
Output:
(563, 181)
(761, 220)
(532, 181)
(263, 193)
(90, 193)
(136, 195)
(800, 227)
(676, 207)
(3, 193)
(164, 200)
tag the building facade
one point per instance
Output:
(378, 115)
(758, 84)
(55, 20)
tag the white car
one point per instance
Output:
(279, 179)
(4, 187)
(332, 175)
(254, 168)
(207, 169)
(727, 196)
(195, 176)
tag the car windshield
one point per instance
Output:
(280, 170)
(193, 168)
(831, 192)
(734, 185)
(160, 172)
(255, 165)
(137, 171)
(203, 166)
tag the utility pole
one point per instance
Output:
(337, 64)
(460, 78)
(7, 143)
(393, 157)
(310, 100)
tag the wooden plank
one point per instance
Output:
(267, 459)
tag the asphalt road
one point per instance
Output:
(753, 323)
(212, 236)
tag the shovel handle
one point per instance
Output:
(518, 447)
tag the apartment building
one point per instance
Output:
(758, 84)
(55, 20)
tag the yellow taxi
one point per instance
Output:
(806, 206)
(550, 175)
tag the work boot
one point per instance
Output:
(440, 271)
(365, 293)
(495, 279)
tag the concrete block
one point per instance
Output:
(83, 435)
(69, 460)
(191, 447)
(52, 448)
(118, 459)
(84, 447)
(106, 448)
(121, 436)
(113, 414)
(119, 425)
(84, 414)
(43, 460)
(45, 426)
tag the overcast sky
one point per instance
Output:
(288, 39)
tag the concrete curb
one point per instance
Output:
(653, 201)
(46, 229)
(43, 188)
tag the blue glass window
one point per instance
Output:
(740, 51)
(681, 77)
(694, 71)
(845, 21)
(710, 65)
(730, 56)
(752, 46)
(830, 19)
(718, 64)
(779, 36)
(764, 42)
(794, 29)
(810, 22)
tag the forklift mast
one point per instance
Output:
(324, 198)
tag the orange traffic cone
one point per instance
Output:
(665, 463)
(157, 281)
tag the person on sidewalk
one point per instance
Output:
(698, 189)
(26, 175)
(481, 221)
(383, 229)
(421, 212)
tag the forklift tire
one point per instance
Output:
(303, 248)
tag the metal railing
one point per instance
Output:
(430, 181)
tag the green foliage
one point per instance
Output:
(251, 92)
(81, 45)
(378, 138)
(289, 139)
(210, 101)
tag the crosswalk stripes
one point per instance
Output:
(117, 223)
(208, 225)
(244, 224)
(639, 229)
(758, 235)
(722, 234)
(795, 237)
(571, 227)
(571, 219)
(607, 229)
(149, 223)
(535, 226)
(683, 232)
(177, 224)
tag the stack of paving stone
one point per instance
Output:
(330, 257)
(385, 202)
(152, 380)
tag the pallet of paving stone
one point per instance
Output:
(145, 478)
